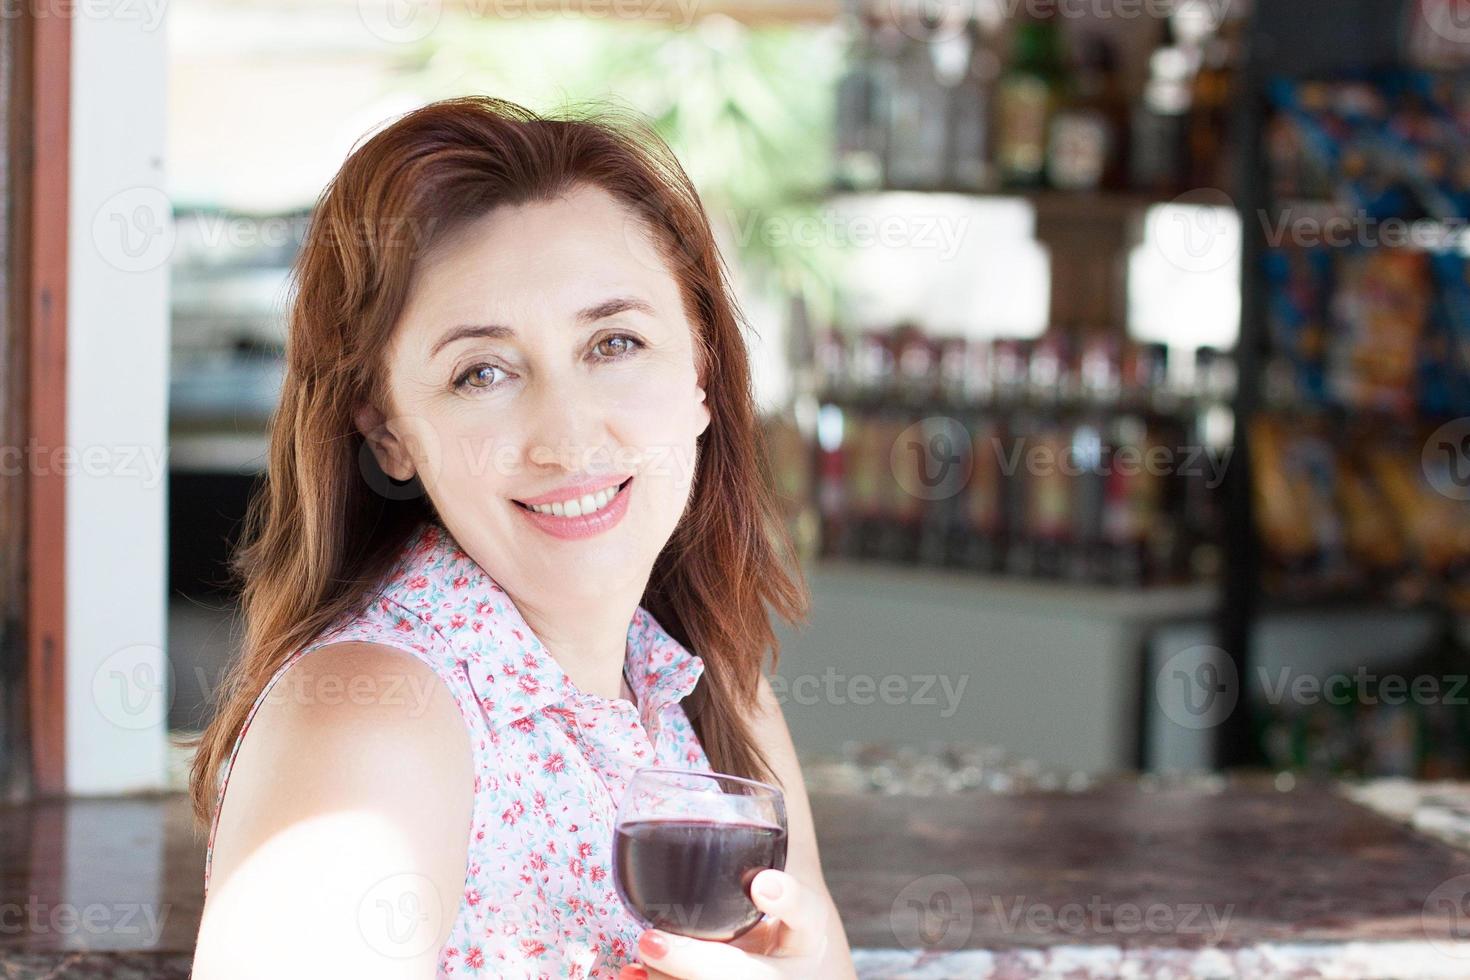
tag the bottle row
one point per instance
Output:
(991, 103)
(1011, 458)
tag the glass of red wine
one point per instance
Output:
(687, 845)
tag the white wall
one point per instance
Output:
(117, 378)
(1047, 671)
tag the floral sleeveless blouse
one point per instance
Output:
(551, 763)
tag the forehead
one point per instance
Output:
(527, 264)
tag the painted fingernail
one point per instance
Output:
(653, 944)
(633, 971)
(770, 887)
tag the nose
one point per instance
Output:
(566, 427)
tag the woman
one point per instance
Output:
(513, 487)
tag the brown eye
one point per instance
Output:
(618, 345)
(480, 376)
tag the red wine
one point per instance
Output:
(692, 877)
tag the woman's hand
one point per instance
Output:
(788, 943)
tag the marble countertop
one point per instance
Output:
(1197, 878)
(1239, 878)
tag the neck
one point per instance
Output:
(588, 639)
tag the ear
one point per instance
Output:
(703, 407)
(389, 450)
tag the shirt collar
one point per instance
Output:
(514, 674)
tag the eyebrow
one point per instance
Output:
(600, 311)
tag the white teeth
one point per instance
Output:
(586, 504)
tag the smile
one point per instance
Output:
(580, 517)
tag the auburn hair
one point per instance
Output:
(321, 532)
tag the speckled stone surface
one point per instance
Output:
(1238, 880)
(1118, 882)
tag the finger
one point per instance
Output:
(638, 971)
(698, 959)
(802, 911)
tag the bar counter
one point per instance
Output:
(1246, 877)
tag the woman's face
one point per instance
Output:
(544, 353)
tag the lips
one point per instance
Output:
(609, 506)
(576, 501)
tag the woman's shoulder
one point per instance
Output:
(358, 770)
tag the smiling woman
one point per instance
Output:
(515, 467)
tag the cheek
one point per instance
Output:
(662, 430)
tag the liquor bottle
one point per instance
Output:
(916, 106)
(968, 164)
(1027, 95)
(1134, 494)
(860, 123)
(1211, 151)
(943, 521)
(838, 537)
(1042, 448)
(1098, 374)
(1210, 444)
(1085, 143)
(980, 542)
(867, 472)
(903, 505)
(1157, 155)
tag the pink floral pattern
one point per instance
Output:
(551, 763)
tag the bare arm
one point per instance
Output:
(340, 849)
(802, 860)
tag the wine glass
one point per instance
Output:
(687, 844)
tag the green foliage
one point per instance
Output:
(747, 111)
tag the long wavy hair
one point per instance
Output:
(321, 532)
